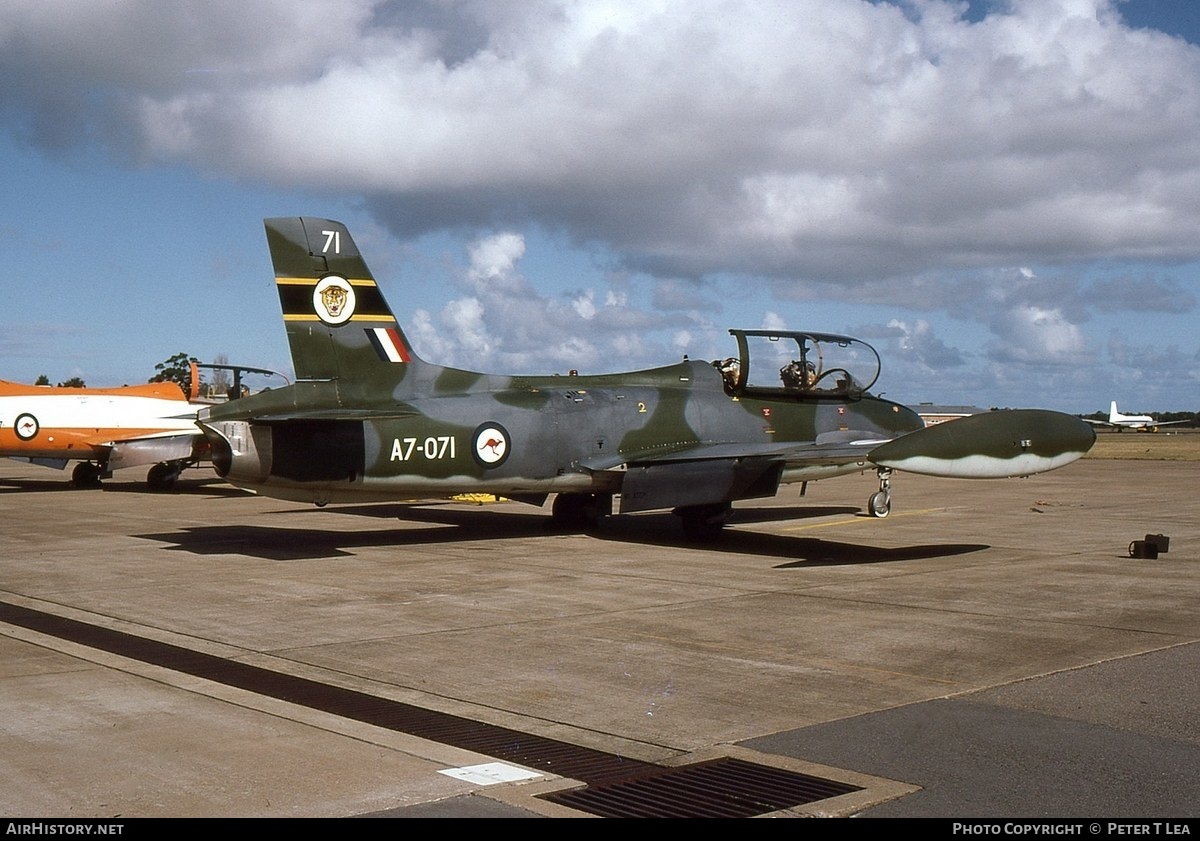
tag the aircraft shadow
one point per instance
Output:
(663, 529)
(453, 523)
(214, 487)
(800, 552)
(457, 513)
(289, 544)
(205, 487)
(10, 486)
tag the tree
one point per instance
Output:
(74, 382)
(220, 377)
(177, 369)
(42, 380)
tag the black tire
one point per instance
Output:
(85, 475)
(880, 504)
(162, 477)
(702, 523)
(576, 512)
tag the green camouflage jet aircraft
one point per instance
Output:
(367, 419)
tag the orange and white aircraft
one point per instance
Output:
(104, 429)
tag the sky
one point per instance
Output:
(1002, 196)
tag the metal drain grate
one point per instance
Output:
(719, 788)
(617, 786)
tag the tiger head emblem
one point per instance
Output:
(333, 300)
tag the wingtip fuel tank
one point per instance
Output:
(1009, 442)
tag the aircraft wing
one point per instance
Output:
(715, 473)
(1167, 423)
(1017, 442)
(791, 452)
(1136, 425)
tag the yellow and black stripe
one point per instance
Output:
(296, 300)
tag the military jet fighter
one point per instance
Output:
(367, 419)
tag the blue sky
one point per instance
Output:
(1000, 196)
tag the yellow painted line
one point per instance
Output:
(860, 520)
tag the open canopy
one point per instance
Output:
(799, 363)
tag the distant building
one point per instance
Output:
(933, 413)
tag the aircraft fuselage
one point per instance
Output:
(514, 436)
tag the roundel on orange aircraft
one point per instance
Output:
(489, 445)
(333, 300)
(26, 426)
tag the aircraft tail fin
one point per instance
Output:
(194, 383)
(1113, 414)
(339, 326)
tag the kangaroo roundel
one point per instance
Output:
(489, 445)
(26, 426)
(333, 300)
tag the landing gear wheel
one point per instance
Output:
(578, 512)
(85, 475)
(880, 504)
(703, 522)
(162, 476)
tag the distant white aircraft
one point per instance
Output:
(1143, 423)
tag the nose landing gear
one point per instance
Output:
(880, 503)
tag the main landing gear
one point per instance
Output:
(703, 522)
(87, 475)
(162, 476)
(880, 503)
(580, 512)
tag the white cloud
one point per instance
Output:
(493, 263)
(773, 321)
(508, 326)
(808, 138)
(1031, 334)
(585, 305)
(466, 322)
(892, 155)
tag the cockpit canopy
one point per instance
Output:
(794, 363)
